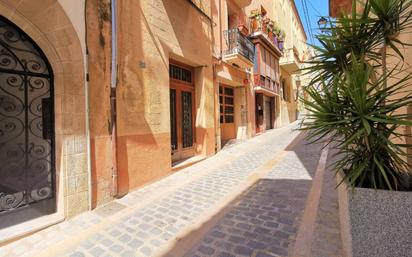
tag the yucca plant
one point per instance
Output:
(356, 101)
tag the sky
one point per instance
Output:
(316, 9)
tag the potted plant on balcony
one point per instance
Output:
(265, 25)
(276, 32)
(359, 103)
(281, 39)
(255, 20)
(269, 29)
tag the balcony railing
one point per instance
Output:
(291, 61)
(291, 54)
(266, 83)
(239, 44)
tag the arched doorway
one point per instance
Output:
(27, 157)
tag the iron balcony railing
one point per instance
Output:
(239, 44)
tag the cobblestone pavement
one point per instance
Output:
(263, 221)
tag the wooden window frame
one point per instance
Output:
(223, 105)
(183, 66)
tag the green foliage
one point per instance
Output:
(355, 102)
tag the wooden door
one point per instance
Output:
(182, 113)
(268, 114)
(227, 113)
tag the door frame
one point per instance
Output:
(181, 153)
(268, 112)
(222, 105)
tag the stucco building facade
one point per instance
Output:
(164, 93)
(114, 95)
(288, 62)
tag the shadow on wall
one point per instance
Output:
(192, 45)
(143, 93)
(263, 219)
(192, 32)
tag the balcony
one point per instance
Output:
(266, 30)
(266, 85)
(241, 50)
(290, 60)
(243, 3)
(259, 36)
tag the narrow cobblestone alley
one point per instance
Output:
(245, 201)
(265, 219)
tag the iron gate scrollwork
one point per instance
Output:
(26, 121)
(187, 122)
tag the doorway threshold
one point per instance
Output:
(230, 143)
(179, 165)
(12, 233)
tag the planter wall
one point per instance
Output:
(375, 222)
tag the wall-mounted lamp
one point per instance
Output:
(322, 21)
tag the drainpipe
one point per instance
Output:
(113, 84)
(87, 107)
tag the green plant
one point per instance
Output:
(276, 30)
(281, 35)
(255, 13)
(358, 102)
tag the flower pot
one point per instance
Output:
(254, 25)
(264, 28)
(275, 41)
(265, 25)
(270, 35)
(375, 222)
(281, 44)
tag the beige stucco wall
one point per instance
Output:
(151, 33)
(288, 18)
(75, 12)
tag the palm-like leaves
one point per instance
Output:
(349, 100)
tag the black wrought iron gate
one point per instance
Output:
(26, 121)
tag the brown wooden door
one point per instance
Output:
(227, 113)
(182, 111)
(268, 114)
(182, 121)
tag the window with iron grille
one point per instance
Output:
(179, 73)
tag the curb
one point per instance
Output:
(305, 234)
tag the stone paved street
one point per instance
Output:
(245, 201)
(265, 219)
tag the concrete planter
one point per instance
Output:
(375, 222)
